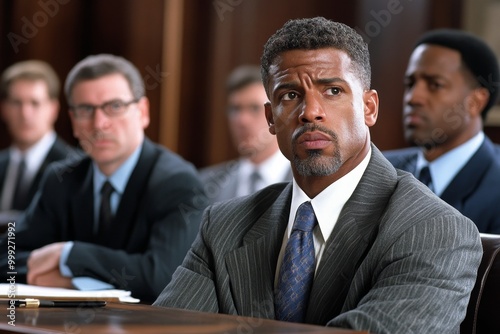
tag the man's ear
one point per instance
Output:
(370, 98)
(143, 105)
(477, 100)
(270, 118)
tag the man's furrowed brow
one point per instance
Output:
(286, 85)
(329, 81)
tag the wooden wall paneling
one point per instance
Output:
(172, 63)
(144, 47)
(4, 44)
(194, 80)
(446, 14)
(107, 27)
(390, 28)
(225, 31)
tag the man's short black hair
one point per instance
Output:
(477, 57)
(317, 33)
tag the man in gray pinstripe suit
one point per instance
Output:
(391, 257)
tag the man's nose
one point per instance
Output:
(312, 109)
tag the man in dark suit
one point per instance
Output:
(29, 93)
(260, 161)
(370, 247)
(451, 83)
(125, 215)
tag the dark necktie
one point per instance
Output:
(254, 178)
(297, 270)
(425, 176)
(21, 189)
(105, 212)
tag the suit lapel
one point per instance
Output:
(128, 208)
(82, 203)
(404, 159)
(57, 152)
(252, 267)
(4, 162)
(352, 237)
(469, 177)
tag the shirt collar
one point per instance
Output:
(34, 156)
(119, 178)
(271, 170)
(328, 204)
(447, 166)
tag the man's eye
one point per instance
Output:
(290, 96)
(115, 105)
(333, 91)
(408, 83)
(433, 85)
(255, 108)
(84, 109)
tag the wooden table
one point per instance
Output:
(144, 319)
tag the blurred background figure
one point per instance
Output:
(260, 161)
(451, 83)
(29, 93)
(123, 215)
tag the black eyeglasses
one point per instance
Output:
(112, 109)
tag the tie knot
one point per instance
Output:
(107, 189)
(305, 219)
(255, 175)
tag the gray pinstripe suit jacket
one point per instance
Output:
(399, 260)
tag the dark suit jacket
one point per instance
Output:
(222, 180)
(156, 222)
(399, 259)
(475, 190)
(60, 150)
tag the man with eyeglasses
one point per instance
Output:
(125, 215)
(29, 94)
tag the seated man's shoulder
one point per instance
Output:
(73, 167)
(171, 163)
(402, 155)
(413, 202)
(244, 211)
(219, 170)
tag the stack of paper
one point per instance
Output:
(18, 291)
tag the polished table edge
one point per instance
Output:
(141, 318)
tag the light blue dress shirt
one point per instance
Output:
(444, 169)
(119, 181)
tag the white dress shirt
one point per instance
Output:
(272, 170)
(327, 206)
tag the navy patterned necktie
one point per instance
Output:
(297, 270)
(425, 176)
